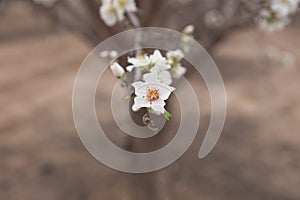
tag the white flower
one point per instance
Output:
(127, 5)
(113, 54)
(281, 9)
(141, 61)
(284, 8)
(187, 38)
(109, 54)
(117, 70)
(154, 62)
(178, 71)
(270, 23)
(151, 95)
(163, 77)
(113, 11)
(110, 14)
(174, 58)
(158, 62)
(104, 54)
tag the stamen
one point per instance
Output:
(152, 94)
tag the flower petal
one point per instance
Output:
(150, 77)
(165, 77)
(132, 60)
(140, 88)
(160, 67)
(178, 72)
(158, 106)
(165, 91)
(131, 6)
(140, 103)
(156, 56)
(130, 68)
(107, 15)
(178, 54)
(137, 84)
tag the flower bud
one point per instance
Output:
(113, 54)
(104, 54)
(117, 70)
(189, 30)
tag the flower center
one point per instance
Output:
(122, 3)
(152, 94)
(112, 10)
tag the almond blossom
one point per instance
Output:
(277, 14)
(154, 62)
(163, 77)
(189, 30)
(151, 95)
(141, 62)
(117, 70)
(284, 8)
(113, 11)
(186, 39)
(158, 62)
(174, 58)
(270, 22)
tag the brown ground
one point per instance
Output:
(257, 157)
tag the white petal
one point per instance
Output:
(108, 17)
(140, 103)
(131, 6)
(178, 54)
(160, 66)
(120, 11)
(178, 72)
(120, 14)
(165, 77)
(137, 84)
(131, 60)
(117, 69)
(150, 77)
(130, 68)
(165, 91)
(158, 106)
(160, 62)
(156, 56)
(281, 10)
(188, 29)
(104, 54)
(113, 54)
(140, 88)
(138, 62)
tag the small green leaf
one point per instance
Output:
(126, 98)
(167, 115)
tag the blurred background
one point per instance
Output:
(41, 156)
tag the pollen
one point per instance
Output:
(122, 3)
(112, 10)
(152, 94)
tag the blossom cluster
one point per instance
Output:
(158, 72)
(187, 38)
(277, 14)
(113, 11)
